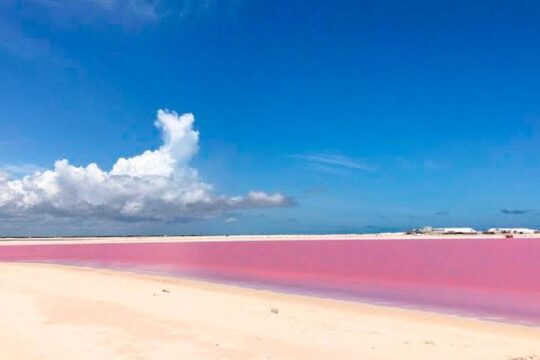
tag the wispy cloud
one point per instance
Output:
(17, 41)
(335, 161)
(516, 211)
(124, 12)
(137, 12)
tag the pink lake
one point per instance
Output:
(488, 278)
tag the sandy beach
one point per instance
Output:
(61, 312)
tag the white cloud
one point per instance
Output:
(155, 185)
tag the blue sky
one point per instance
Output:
(365, 115)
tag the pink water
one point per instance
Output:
(492, 278)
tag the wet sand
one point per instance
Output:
(61, 312)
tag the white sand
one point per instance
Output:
(58, 312)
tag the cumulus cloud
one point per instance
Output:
(157, 185)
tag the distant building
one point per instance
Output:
(454, 231)
(444, 231)
(513, 231)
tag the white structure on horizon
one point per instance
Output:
(522, 231)
(445, 231)
(454, 231)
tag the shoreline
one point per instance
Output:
(490, 278)
(239, 238)
(119, 314)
